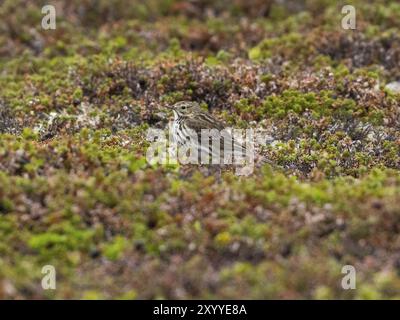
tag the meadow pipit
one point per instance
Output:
(190, 119)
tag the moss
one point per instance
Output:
(114, 250)
(60, 241)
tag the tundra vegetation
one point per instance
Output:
(77, 193)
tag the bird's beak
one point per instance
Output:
(170, 107)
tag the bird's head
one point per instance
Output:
(185, 108)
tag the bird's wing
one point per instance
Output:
(203, 121)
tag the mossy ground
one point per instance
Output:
(76, 190)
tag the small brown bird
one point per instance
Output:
(190, 119)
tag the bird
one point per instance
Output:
(189, 121)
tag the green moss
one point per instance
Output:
(115, 249)
(69, 239)
(287, 45)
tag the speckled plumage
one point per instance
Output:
(190, 120)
